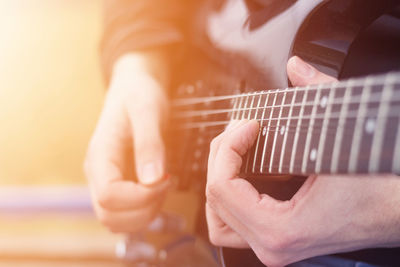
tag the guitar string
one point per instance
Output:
(277, 126)
(296, 165)
(337, 101)
(215, 132)
(351, 115)
(379, 81)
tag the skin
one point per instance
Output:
(329, 214)
(125, 162)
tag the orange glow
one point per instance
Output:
(50, 88)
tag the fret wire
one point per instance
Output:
(377, 137)
(303, 128)
(259, 135)
(339, 135)
(248, 117)
(251, 105)
(285, 166)
(233, 114)
(287, 130)
(379, 80)
(255, 117)
(325, 124)
(296, 136)
(239, 108)
(396, 156)
(354, 100)
(309, 132)
(362, 110)
(245, 106)
(276, 134)
(266, 135)
(258, 106)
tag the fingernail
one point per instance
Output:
(150, 173)
(302, 68)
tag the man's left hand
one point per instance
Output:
(329, 214)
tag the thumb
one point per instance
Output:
(148, 145)
(301, 74)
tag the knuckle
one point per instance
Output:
(215, 238)
(271, 260)
(104, 198)
(214, 144)
(114, 230)
(105, 218)
(212, 192)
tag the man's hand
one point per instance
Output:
(329, 214)
(125, 160)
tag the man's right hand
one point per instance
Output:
(125, 163)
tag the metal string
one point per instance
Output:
(354, 100)
(378, 80)
(335, 115)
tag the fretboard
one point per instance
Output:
(348, 127)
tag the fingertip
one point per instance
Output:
(299, 72)
(251, 127)
(254, 124)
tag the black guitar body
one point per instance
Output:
(343, 38)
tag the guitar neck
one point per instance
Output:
(347, 127)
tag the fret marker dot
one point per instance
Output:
(200, 141)
(197, 153)
(313, 154)
(264, 132)
(199, 84)
(282, 130)
(324, 101)
(190, 89)
(370, 126)
(195, 167)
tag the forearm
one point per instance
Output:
(138, 26)
(384, 219)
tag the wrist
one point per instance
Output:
(136, 66)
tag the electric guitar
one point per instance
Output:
(348, 127)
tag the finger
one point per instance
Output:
(231, 149)
(128, 221)
(146, 116)
(214, 145)
(220, 234)
(301, 74)
(106, 156)
(127, 195)
(106, 164)
(235, 200)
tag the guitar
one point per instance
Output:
(348, 127)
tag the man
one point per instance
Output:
(125, 163)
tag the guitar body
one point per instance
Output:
(343, 38)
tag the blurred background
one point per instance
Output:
(51, 92)
(50, 88)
